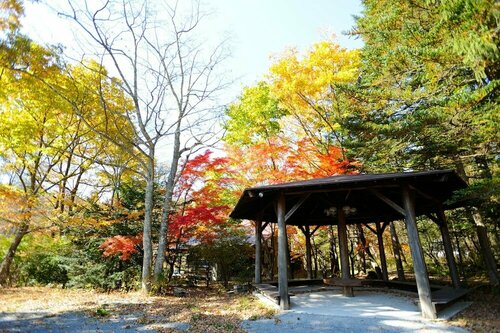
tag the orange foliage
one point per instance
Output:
(124, 245)
(276, 162)
(200, 195)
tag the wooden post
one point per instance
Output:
(282, 251)
(448, 249)
(381, 250)
(421, 276)
(258, 251)
(344, 255)
(396, 248)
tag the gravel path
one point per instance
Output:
(38, 322)
(287, 322)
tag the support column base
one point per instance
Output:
(348, 292)
(428, 312)
(284, 305)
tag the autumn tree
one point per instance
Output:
(34, 137)
(314, 89)
(170, 78)
(255, 117)
(10, 13)
(46, 149)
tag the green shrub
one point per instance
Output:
(40, 259)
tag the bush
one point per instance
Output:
(89, 269)
(41, 259)
(47, 268)
(230, 254)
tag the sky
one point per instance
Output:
(257, 29)
(262, 28)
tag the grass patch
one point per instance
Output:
(102, 311)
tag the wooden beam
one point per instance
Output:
(424, 290)
(434, 219)
(340, 189)
(264, 226)
(448, 249)
(371, 229)
(258, 251)
(381, 250)
(315, 229)
(388, 201)
(425, 195)
(344, 252)
(384, 225)
(296, 206)
(282, 253)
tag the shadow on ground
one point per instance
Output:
(79, 321)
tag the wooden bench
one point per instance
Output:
(343, 282)
(447, 296)
(270, 291)
(347, 284)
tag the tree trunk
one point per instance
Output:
(362, 240)
(167, 204)
(272, 254)
(171, 266)
(352, 256)
(267, 259)
(74, 190)
(334, 262)
(381, 250)
(146, 237)
(459, 250)
(484, 242)
(396, 249)
(11, 252)
(307, 234)
(315, 254)
(288, 259)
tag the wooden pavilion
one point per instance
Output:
(355, 199)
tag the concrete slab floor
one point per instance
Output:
(366, 304)
(367, 311)
(363, 304)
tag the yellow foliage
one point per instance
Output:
(10, 11)
(308, 85)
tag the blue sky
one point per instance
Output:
(262, 28)
(258, 29)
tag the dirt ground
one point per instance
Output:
(483, 316)
(201, 311)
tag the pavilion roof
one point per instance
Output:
(315, 200)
